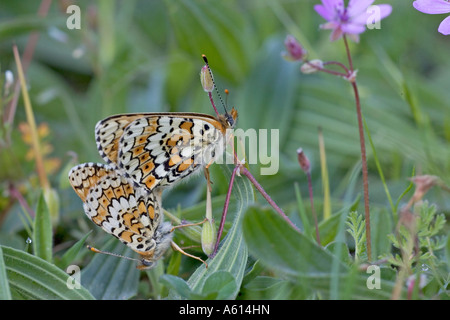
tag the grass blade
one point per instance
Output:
(42, 231)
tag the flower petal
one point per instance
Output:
(356, 7)
(324, 12)
(444, 27)
(350, 28)
(336, 34)
(332, 4)
(373, 14)
(329, 8)
(432, 6)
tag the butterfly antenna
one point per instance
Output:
(111, 253)
(214, 83)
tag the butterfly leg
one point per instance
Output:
(177, 248)
(188, 225)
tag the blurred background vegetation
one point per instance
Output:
(145, 56)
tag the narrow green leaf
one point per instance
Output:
(111, 278)
(42, 231)
(380, 170)
(5, 293)
(31, 277)
(71, 254)
(411, 184)
(307, 229)
(23, 25)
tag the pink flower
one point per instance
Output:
(435, 7)
(351, 20)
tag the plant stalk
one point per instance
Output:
(363, 155)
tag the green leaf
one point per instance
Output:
(5, 293)
(71, 254)
(111, 278)
(262, 283)
(221, 282)
(302, 261)
(23, 25)
(329, 229)
(31, 277)
(42, 231)
(176, 283)
(281, 247)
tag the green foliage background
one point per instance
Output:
(145, 56)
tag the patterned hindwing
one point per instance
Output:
(159, 151)
(84, 176)
(112, 203)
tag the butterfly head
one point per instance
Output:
(229, 119)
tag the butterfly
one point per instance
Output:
(132, 215)
(155, 150)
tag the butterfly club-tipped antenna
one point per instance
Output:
(229, 117)
(112, 254)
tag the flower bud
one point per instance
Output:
(311, 66)
(209, 236)
(352, 76)
(303, 160)
(295, 50)
(423, 184)
(206, 79)
(9, 80)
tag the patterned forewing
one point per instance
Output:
(112, 203)
(108, 133)
(158, 151)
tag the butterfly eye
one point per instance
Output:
(230, 119)
(147, 263)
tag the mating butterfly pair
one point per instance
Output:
(145, 152)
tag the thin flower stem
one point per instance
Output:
(363, 155)
(225, 210)
(349, 56)
(335, 73)
(245, 172)
(338, 64)
(212, 102)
